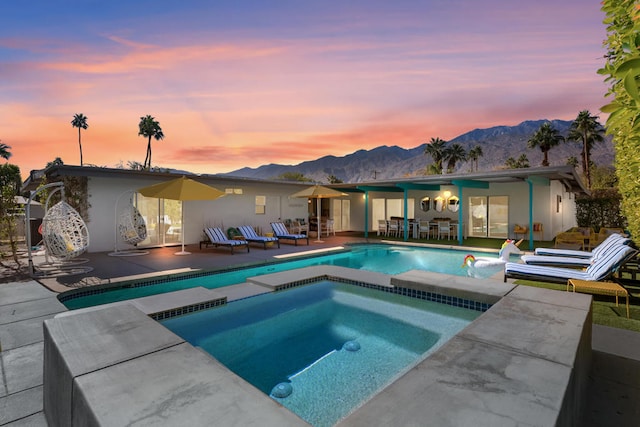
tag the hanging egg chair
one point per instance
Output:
(131, 226)
(65, 234)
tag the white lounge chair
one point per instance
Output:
(603, 250)
(251, 236)
(281, 232)
(600, 269)
(218, 238)
(580, 254)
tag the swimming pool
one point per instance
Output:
(388, 259)
(330, 345)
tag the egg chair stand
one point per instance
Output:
(65, 236)
(130, 228)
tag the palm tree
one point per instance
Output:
(435, 149)
(79, 121)
(572, 161)
(474, 154)
(454, 154)
(587, 130)
(522, 162)
(149, 128)
(4, 151)
(545, 138)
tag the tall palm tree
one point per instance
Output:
(435, 149)
(4, 151)
(79, 121)
(587, 130)
(149, 128)
(454, 154)
(545, 138)
(474, 154)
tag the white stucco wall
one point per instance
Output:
(544, 205)
(230, 210)
(239, 209)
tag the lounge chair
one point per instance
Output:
(218, 238)
(599, 270)
(281, 232)
(251, 236)
(603, 250)
(612, 239)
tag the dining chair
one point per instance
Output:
(394, 228)
(444, 227)
(328, 227)
(424, 228)
(382, 227)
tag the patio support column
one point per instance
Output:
(530, 214)
(405, 225)
(460, 216)
(366, 214)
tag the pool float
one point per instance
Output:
(508, 247)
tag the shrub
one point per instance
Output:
(601, 209)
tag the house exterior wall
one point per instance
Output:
(544, 205)
(227, 211)
(552, 205)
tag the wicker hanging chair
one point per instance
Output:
(65, 234)
(131, 226)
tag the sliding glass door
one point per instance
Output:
(163, 218)
(489, 216)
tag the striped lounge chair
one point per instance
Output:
(218, 238)
(605, 249)
(613, 238)
(251, 236)
(281, 232)
(602, 268)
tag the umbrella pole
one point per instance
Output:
(182, 252)
(318, 206)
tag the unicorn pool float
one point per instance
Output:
(476, 264)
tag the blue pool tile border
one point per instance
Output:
(179, 311)
(411, 293)
(99, 289)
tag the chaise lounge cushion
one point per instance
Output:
(217, 237)
(612, 239)
(599, 270)
(250, 235)
(604, 250)
(281, 232)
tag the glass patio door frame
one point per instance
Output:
(488, 216)
(163, 219)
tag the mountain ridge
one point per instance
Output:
(387, 162)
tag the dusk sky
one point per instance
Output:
(247, 83)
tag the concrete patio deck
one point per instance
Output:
(614, 381)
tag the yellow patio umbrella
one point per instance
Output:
(318, 192)
(182, 189)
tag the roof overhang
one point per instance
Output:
(539, 176)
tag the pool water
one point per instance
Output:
(297, 337)
(379, 258)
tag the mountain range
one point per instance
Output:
(386, 162)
